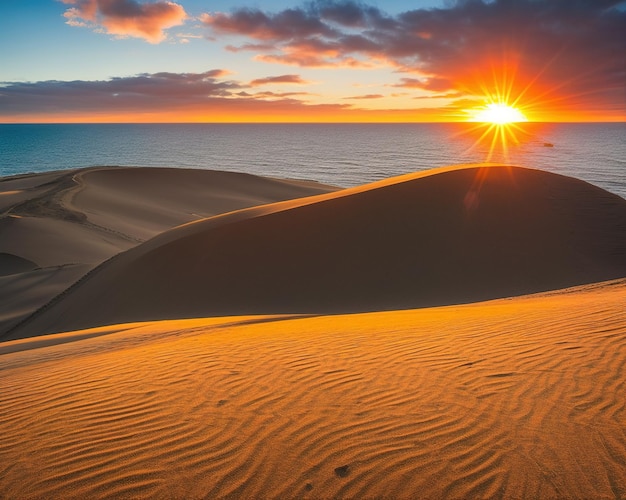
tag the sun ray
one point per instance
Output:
(504, 107)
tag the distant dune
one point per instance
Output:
(447, 236)
(56, 226)
(516, 398)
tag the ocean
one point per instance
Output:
(339, 154)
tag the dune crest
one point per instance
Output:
(447, 236)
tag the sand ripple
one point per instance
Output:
(513, 398)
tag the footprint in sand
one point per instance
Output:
(342, 471)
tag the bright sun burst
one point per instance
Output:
(497, 126)
(499, 114)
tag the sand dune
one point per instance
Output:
(518, 397)
(515, 398)
(56, 226)
(453, 235)
(143, 202)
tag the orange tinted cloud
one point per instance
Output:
(434, 84)
(296, 36)
(295, 79)
(174, 97)
(126, 17)
(556, 56)
(273, 95)
(366, 96)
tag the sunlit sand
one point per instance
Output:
(457, 333)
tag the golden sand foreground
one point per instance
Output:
(219, 341)
(517, 398)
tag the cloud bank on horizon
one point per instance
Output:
(558, 59)
(575, 46)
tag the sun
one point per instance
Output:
(496, 126)
(498, 114)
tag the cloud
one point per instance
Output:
(293, 79)
(176, 97)
(366, 96)
(433, 83)
(286, 25)
(308, 36)
(187, 37)
(449, 95)
(136, 93)
(162, 96)
(126, 17)
(274, 95)
(558, 52)
(250, 47)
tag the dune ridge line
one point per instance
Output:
(452, 235)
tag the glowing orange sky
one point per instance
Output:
(332, 61)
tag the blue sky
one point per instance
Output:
(38, 45)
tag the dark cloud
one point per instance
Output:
(570, 52)
(160, 96)
(286, 25)
(294, 79)
(347, 13)
(141, 92)
(126, 17)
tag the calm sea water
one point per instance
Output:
(339, 154)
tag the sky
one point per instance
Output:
(310, 61)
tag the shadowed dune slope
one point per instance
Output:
(55, 227)
(515, 398)
(88, 215)
(452, 235)
(143, 202)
